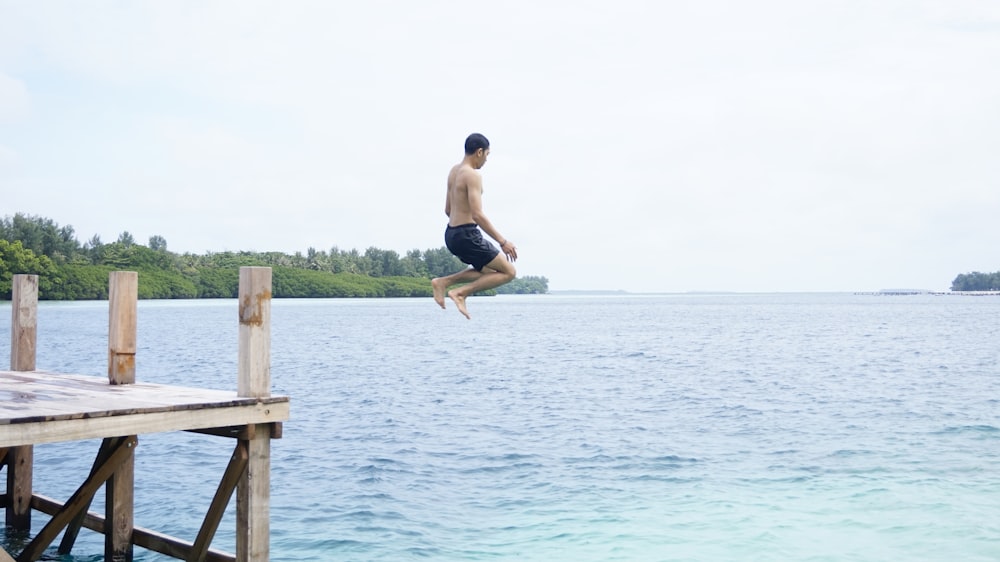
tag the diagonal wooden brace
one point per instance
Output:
(237, 466)
(78, 501)
(73, 528)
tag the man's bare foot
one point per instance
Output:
(439, 288)
(459, 302)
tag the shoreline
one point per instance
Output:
(934, 293)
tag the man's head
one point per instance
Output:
(477, 148)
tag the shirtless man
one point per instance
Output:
(464, 207)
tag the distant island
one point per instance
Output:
(977, 281)
(974, 284)
(69, 270)
(896, 293)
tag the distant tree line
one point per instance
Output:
(976, 281)
(69, 270)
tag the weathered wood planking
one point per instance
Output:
(146, 538)
(40, 407)
(24, 322)
(253, 492)
(123, 291)
(20, 460)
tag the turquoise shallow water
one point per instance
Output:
(673, 427)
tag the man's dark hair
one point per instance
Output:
(475, 142)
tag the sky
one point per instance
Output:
(659, 146)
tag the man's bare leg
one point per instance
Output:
(496, 273)
(441, 284)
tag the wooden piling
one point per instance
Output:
(253, 495)
(123, 295)
(24, 322)
(23, 340)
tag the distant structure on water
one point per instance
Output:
(898, 292)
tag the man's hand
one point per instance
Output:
(510, 250)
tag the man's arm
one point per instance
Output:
(474, 185)
(475, 190)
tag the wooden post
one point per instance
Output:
(255, 332)
(253, 497)
(123, 294)
(24, 322)
(23, 339)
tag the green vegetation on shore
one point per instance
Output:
(69, 270)
(976, 281)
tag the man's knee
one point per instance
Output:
(504, 267)
(510, 272)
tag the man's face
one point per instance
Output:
(481, 155)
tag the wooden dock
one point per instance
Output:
(38, 407)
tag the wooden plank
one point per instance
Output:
(20, 464)
(123, 297)
(175, 547)
(253, 496)
(141, 537)
(235, 431)
(73, 528)
(38, 396)
(77, 501)
(234, 471)
(255, 332)
(253, 501)
(4, 557)
(241, 431)
(137, 424)
(24, 322)
(119, 510)
(123, 291)
(23, 342)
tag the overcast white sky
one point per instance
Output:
(775, 145)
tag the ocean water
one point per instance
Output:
(820, 427)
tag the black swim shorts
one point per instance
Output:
(467, 243)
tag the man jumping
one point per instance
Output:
(464, 207)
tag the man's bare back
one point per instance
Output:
(464, 207)
(457, 206)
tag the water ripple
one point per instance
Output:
(751, 427)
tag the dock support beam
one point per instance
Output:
(123, 295)
(119, 451)
(253, 495)
(23, 340)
